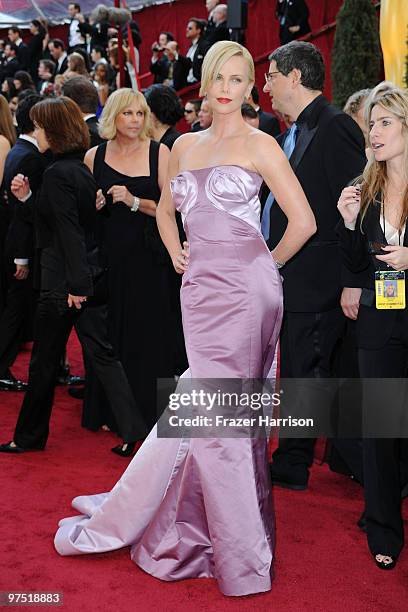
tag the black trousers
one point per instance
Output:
(383, 458)
(53, 323)
(308, 343)
(18, 300)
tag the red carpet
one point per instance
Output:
(322, 560)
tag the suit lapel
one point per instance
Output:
(307, 131)
(305, 137)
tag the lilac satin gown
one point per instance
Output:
(200, 508)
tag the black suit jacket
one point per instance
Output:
(92, 123)
(23, 56)
(202, 48)
(98, 33)
(268, 123)
(63, 68)
(65, 227)
(9, 69)
(329, 153)
(160, 69)
(181, 68)
(374, 327)
(24, 158)
(295, 12)
(215, 33)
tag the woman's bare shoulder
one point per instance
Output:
(185, 141)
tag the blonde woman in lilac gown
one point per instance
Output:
(202, 507)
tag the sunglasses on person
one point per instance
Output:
(186, 110)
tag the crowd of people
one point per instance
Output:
(81, 223)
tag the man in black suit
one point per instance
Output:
(293, 17)
(84, 93)
(218, 29)
(159, 65)
(25, 158)
(178, 68)
(11, 65)
(197, 50)
(14, 36)
(267, 122)
(59, 55)
(328, 154)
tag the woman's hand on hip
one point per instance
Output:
(180, 262)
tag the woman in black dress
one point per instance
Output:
(166, 110)
(130, 169)
(35, 48)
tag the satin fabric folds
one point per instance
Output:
(200, 507)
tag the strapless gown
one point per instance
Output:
(201, 508)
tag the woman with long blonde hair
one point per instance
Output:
(374, 241)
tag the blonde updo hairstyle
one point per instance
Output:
(116, 104)
(216, 57)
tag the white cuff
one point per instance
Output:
(21, 262)
(350, 226)
(27, 197)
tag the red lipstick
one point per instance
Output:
(224, 100)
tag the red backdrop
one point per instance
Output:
(262, 35)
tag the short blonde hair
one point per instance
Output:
(116, 103)
(216, 57)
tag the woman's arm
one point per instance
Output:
(273, 165)
(166, 216)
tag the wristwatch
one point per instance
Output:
(135, 205)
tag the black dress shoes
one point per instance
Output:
(66, 378)
(124, 450)
(9, 448)
(77, 392)
(294, 479)
(12, 384)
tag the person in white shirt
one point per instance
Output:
(14, 36)
(59, 55)
(199, 47)
(75, 38)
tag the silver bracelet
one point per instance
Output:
(279, 264)
(135, 205)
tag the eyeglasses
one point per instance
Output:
(188, 111)
(269, 75)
